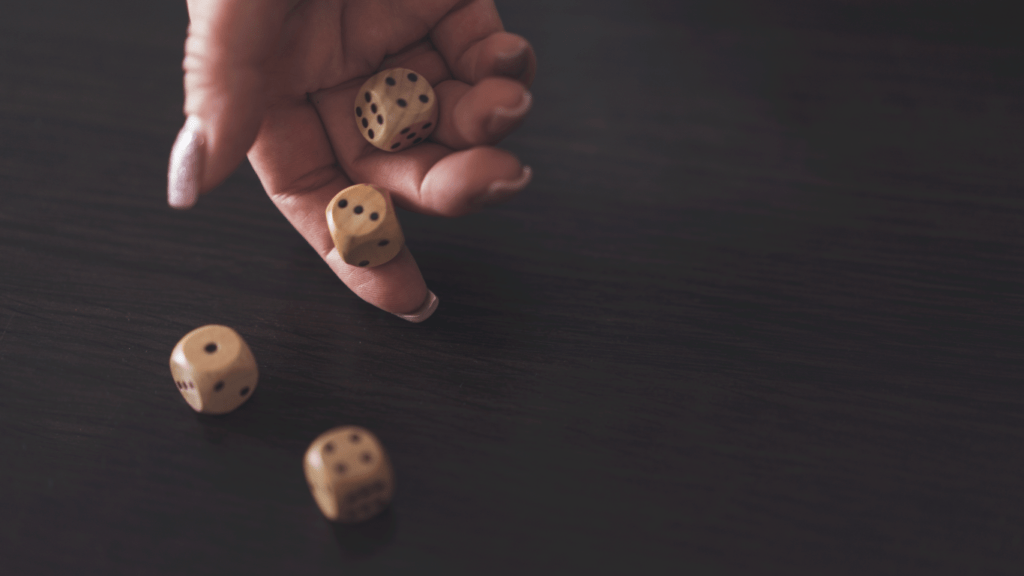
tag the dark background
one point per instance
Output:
(760, 311)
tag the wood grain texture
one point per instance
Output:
(759, 312)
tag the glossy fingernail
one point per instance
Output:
(503, 189)
(185, 167)
(424, 311)
(503, 119)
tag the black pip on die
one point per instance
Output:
(214, 369)
(396, 109)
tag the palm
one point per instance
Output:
(326, 44)
(307, 62)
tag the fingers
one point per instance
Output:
(229, 43)
(500, 54)
(431, 179)
(474, 45)
(297, 167)
(466, 181)
(481, 114)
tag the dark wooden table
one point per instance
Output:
(761, 311)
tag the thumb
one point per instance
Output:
(229, 44)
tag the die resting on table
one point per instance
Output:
(214, 369)
(395, 109)
(349, 474)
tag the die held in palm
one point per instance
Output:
(395, 109)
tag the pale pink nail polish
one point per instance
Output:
(185, 167)
(504, 118)
(424, 311)
(503, 189)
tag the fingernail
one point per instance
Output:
(185, 166)
(514, 62)
(424, 311)
(503, 119)
(503, 189)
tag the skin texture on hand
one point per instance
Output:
(276, 80)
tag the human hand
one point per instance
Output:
(277, 80)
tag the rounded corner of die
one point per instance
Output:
(195, 402)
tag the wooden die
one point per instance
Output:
(349, 474)
(364, 226)
(214, 369)
(395, 109)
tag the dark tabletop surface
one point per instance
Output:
(759, 312)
